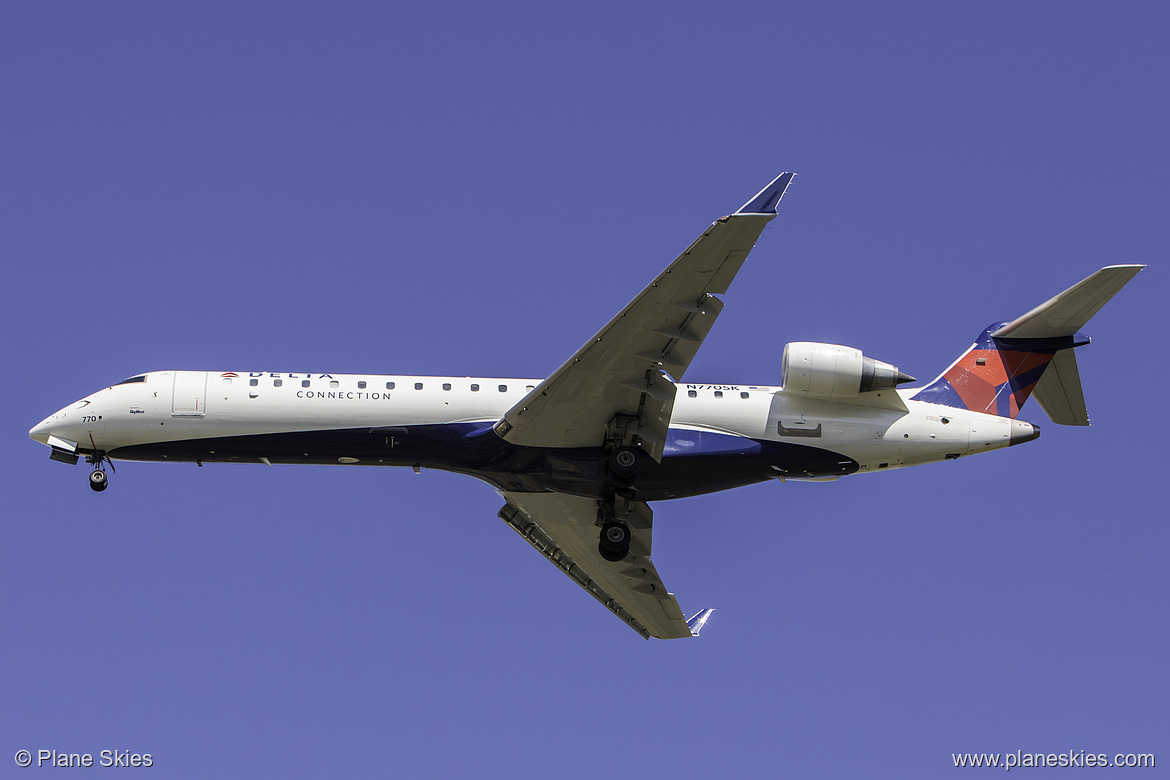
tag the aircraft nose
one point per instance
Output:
(49, 427)
(40, 432)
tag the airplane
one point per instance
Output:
(579, 456)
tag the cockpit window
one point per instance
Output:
(132, 380)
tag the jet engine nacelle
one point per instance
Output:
(833, 371)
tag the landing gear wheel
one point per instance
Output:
(614, 544)
(624, 462)
(97, 480)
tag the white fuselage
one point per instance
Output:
(411, 420)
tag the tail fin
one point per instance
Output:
(1010, 360)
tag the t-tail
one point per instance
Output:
(1031, 356)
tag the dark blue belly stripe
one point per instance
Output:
(693, 463)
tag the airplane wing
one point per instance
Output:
(563, 529)
(613, 387)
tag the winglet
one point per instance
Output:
(697, 621)
(767, 199)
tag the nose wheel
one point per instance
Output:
(97, 478)
(98, 481)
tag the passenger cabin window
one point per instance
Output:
(475, 388)
(132, 380)
(503, 388)
(333, 383)
(253, 382)
(446, 385)
(692, 394)
(418, 385)
(743, 395)
(361, 385)
(304, 383)
(277, 382)
(718, 393)
(389, 385)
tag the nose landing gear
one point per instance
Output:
(97, 478)
(98, 481)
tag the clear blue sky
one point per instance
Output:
(476, 188)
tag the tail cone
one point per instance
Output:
(1022, 432)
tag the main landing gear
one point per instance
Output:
(97, 478)
(615, 513)
(622, 465)
(614, 544)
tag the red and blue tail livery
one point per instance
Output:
(1032, 354)
(996, 376)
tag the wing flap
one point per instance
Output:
(563, 529)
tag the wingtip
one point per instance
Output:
(698, 620)
(767, 199)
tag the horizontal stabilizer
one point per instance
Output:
(1068, 312)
